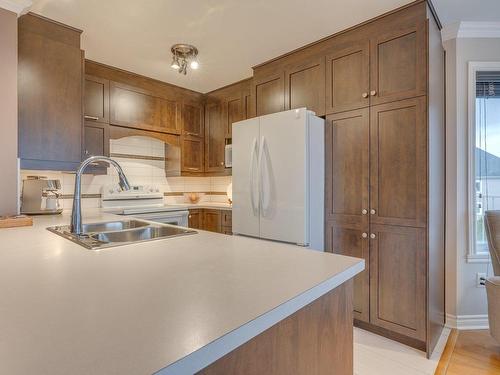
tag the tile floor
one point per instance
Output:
(376, 355)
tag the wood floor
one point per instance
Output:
(470, 353)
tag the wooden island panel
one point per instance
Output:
(316, 340)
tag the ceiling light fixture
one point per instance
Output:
(184, 54)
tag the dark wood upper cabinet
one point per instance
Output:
(305, 85)
(50, 87)
(192, 155)
(399, 163)
(233, 110)
(214, 138)
(347, 77)
(352, 240)
(96, 139)
(398, 279)
(96, 99)
(192, 119)
(269, 93)
(138, 108)
(398, 64)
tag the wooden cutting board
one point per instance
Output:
(15, 221)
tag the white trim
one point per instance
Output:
(467, 322)
(474, 67)
(471, 30)
(16, 6)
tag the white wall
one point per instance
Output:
(8, 112)
(463, 299)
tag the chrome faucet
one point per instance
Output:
(76, 213)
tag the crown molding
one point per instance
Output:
(16, 6)
(471, 30)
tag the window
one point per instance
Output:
(484, 152)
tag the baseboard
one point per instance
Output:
(471, 322)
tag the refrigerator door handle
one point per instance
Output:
(252, 176)
(261, 179)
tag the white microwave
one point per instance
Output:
(228, 156)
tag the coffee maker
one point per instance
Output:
(40, 196)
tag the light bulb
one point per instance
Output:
(194, 64)
(175, 64)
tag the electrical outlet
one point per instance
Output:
(480, 279)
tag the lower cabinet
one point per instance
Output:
(350, 240)
(212, 220)
(195, 219)
(398, 279)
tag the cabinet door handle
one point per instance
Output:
(192, 169)
(373, 93)
(372, 236)
(372, 212)
(364, 211)
(364, 95)
(192, 134)
(93, 118)
(364, 235)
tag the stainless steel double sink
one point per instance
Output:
(123, 232)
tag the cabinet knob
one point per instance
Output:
(190, 216)
(364, 235)
(373, 212)
(373, 93)
(372, 236)
(364, 95)
(364, 211)
(221, 163)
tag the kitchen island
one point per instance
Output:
(199, 303)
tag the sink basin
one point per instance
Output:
(113, 226)
(115, 233)
(141, 234)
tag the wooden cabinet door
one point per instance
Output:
(347, 78)
(192, 119)
(398, 163)
(347, 195)
(137, 108)
(305, 85)
(50, 87)
(214, 138)
(191, 154)
(347, 166)
(398, 279)
(96, 99)
(269, 93)
(352, 240)
(195, 219)
(233, 111)
(212, 220)
(398, 64)
(96, 139)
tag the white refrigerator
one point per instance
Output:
(278, 178)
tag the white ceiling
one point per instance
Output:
(451, 11)
(231, 35)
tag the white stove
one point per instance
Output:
(145, 202)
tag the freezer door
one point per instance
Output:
(245, 177)
(283, 176)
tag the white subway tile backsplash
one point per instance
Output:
(139, 172)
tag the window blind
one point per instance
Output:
(488, 84)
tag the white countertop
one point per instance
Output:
(172, 305)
